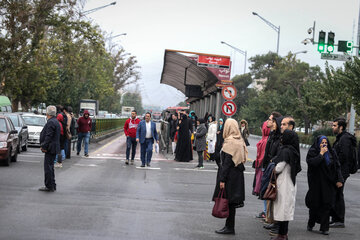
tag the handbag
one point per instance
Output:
(271, 190)
(221, 206)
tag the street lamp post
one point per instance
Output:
(121, 34)
(277, 29)
(238, 50)
(300, 52)
(98, 8)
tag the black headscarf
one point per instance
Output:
(289, 153)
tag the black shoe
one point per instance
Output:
(269, 226)
(127, 162)
(309, 228)
(142, 165)
(261, 215)
(337, 225)
(324, 232)
(45, 189)
(275, 230)
(148, 164)
(78, 153)
(225, 230)
(86, 155)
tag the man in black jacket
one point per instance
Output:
(342, 147)
(50, 145)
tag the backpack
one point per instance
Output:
(353, 162)
(265, 179)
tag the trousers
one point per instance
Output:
(49, 171)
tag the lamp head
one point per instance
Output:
(222, 42)
(254, 13)
(113, 3)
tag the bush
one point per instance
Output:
(322, 131)
(306, 139)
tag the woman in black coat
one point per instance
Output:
(183, 145)
(231, 172)
(219, 141)
(324, 176)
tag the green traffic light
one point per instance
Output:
(321, 42)
(330, 43)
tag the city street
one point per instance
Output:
(102, 198)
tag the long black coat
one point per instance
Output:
(183, 146)
(233, 178)
(322, 178)
(342, 147)
(273, 144)
(50, 136)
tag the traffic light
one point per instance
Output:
(321, 43)
(330, 42)
(345, 46)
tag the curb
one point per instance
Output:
(100, 138)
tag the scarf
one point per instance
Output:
(326, 155)
(221, 126)
(233, 142)
(261, 145)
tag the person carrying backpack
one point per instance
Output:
(345, 148)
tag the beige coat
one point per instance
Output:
(284, 205)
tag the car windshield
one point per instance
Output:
(3, 127)
(34, 120)
(14, 119)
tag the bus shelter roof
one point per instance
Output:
(180, 70)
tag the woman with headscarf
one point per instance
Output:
(258, 165)
(324, 176)
(286, 170)
(219, 141)
(200, 141)
(231, 172)
(244, 129)
(183, 146)
(60, 157)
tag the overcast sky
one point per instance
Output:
(200, 26)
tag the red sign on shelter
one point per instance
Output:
(213, 62)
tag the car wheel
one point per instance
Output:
(18, 147)
(24, 148)
(8, 159)
(14, 158)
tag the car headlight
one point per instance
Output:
(3, 144)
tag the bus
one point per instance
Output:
(5, 104)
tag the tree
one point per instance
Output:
(244, 92)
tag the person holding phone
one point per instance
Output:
(324, 177)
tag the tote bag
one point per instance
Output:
(221, 206)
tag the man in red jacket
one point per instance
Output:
(84, 130)
(130, 132)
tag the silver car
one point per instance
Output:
(35, 125)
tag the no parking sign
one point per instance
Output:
(229, 108)
(229, 92)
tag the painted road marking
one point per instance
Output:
(151, 168)
(85, 165)
(106, 145)
(28, 161)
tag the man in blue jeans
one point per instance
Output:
(145, 134)
(84, 130)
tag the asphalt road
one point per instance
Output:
(101, 198)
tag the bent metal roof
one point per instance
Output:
(175, 66)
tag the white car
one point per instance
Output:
(35, 125)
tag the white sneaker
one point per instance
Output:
(58, 165)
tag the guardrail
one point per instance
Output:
(104, 126)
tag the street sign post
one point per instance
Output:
(229, 92)
(337, 57)
(229, 108)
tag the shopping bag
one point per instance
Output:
(221, 206)
(156, 147)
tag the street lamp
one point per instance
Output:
(277, 29)
(121, 34)
(238, 50)
(98, 8)
(300, 52)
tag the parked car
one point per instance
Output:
(8, 141)
(35, 125)
(22, 129)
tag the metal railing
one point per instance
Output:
(103, 126)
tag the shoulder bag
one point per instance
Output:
(221, 206)
(271, 190)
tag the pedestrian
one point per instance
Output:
(49, 144)
(67, 130)
(244, 129)
(146, 134)
(324, 176)
(183, 145)
(130, 128)
(231, 172)
(219, 141)
(260, 146)
(193, 118)
(84, 129)
(343, 148)
(271, 150)
(200, 141)
(173, 122)
(286, 170)
(60, 157)
(211, 137)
